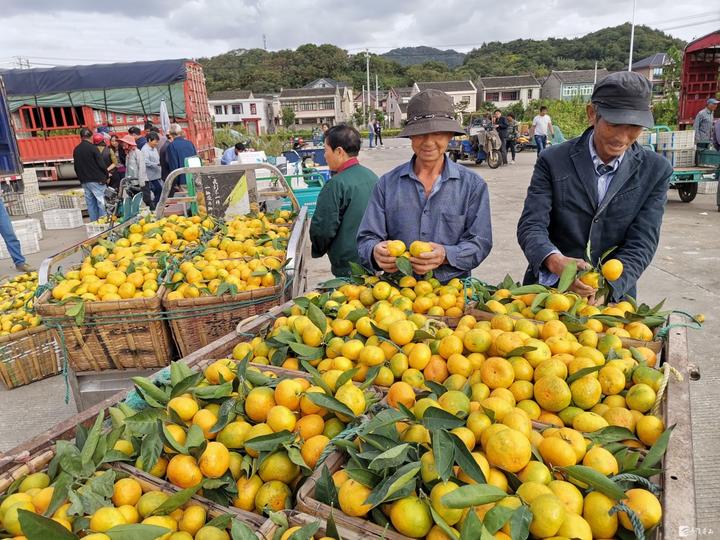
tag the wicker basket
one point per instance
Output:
(29, 356)
(307, 503)
(120, 334)
(269, 529)
(196, 322)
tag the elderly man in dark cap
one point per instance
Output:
(430, 199)
(601, 188)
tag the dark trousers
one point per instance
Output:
(510, 145)
(503, 148)
(378, 138)
(156, 187)
(540, 142)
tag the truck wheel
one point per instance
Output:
(493, 159)
(687, 191)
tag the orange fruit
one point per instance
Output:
(183, 471)
(215, 460)
(126, 491)
(312, 448)
(258, 403)
(310, 425)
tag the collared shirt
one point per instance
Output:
(349, 163)
(228, 156)
(703, 125)
(604, 173)
(456, 214)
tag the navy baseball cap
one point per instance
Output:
(624, 98)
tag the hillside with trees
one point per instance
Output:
(410, 56)
(269, 71)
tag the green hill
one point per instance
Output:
(269, 71)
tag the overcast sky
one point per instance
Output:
(90, 31)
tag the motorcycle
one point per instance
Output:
(482, 143)
(522, 142)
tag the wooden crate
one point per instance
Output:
(29, 356)
(196, 322)
(269, 529)
(119, 334)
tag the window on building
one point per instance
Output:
(657, 72)
(237, 108)
(586, 89)
(253, 109)
(570, 90)
(513, 95)
(492, 96)
(219, 109)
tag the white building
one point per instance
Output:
(322, 105)
(506, 91)
(396, 105)
(463, 93)
(235, 107)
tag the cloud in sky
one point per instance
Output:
(84, 31)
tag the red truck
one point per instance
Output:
(49, 106)
(700, 77)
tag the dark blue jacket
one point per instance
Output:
(561, 210)
(176, 153)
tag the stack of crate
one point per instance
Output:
(27, 236)
(28, 200)
(678, 147)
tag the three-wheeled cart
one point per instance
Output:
(687, 179)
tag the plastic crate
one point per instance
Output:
(680, 158)
(63, 218)
(72, 199)
(50, 202)
(22, 204)
(676, 140)
(94, 228)
(30, 224)
(29, 243)
(306, 197)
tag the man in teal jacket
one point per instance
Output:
(342, 201)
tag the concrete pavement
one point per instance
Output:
(683, 271)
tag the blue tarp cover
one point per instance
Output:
(93, 77)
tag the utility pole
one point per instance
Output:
(632, 36)
(367, 74)
(595, 78)
(377, 102)
(363, 102)
(22, 62)
(264, 42)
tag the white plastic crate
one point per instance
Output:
(707, 188)
(29, 243)
(680, 158)
(30, 224)
(50, 202)
(74, 198)
(63, 218)
(94, 228)
(676, 140)
(22, 204)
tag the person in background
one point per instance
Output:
(371, 132)
(703, 124)
(136, 180)
(342, 201)
(137, 135)
(231, 154)
(512, 135)
(324, 128)
(152, 167)
(92, 173)
(162, 150)
(501, 126)
(378, 133)
(601, 190)
(178, 150)
(430, 199)
(117, 174)
(541, 128)
(13, 244)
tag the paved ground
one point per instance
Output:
(684, 272)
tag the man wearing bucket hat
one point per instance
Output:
(601, 189)
(430, 198)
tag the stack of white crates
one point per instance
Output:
(29, 242)
(63, 218)
(678, 147)
(28, 201)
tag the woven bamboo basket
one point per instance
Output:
(295, 518)
(307, 503)
(29, 356)
(120, 334)
(196, 322)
